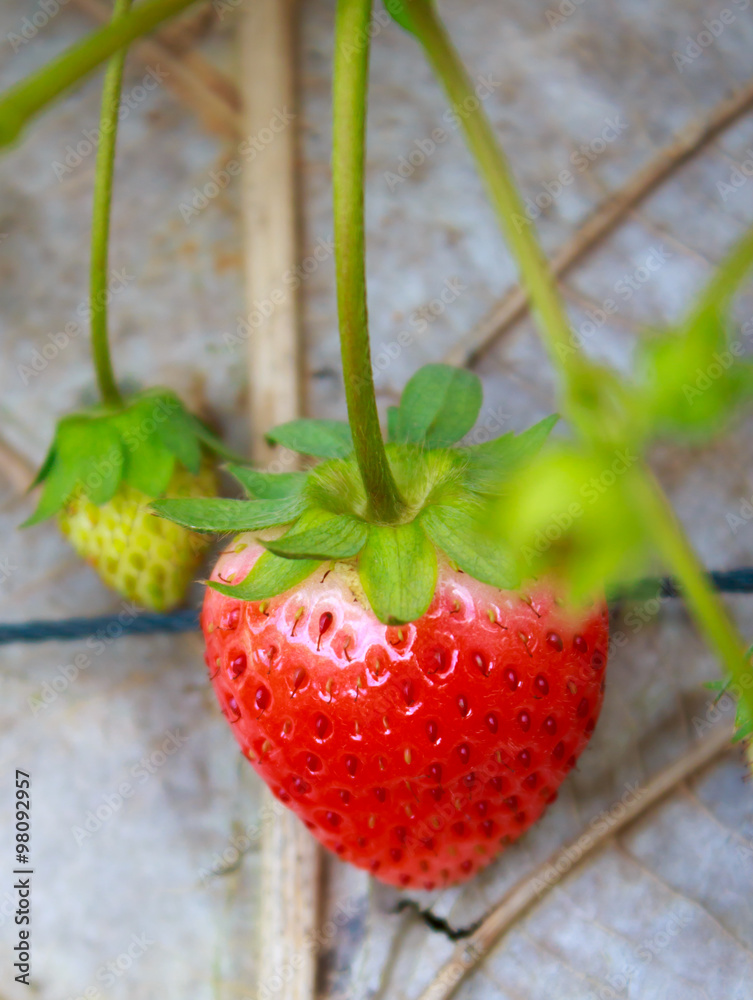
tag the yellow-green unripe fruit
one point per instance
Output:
(147, 559)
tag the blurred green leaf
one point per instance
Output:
(690, 381)
(570, 512)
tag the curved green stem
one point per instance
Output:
(536, 275)
(100, 242)
(348, 151)
(705, 604)
(27, 98)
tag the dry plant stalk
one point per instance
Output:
(290, 855)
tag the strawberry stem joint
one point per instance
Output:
(108, 461)
(373, 652)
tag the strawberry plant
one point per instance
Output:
(107, 462)
(407, 653)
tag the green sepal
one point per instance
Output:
(466, 541)
(139, 443)
(319, 438)
(74, 464)
(225, 516)
(693, 378)
(268, 485)
(438, 407)
(271, 575)
(320, 535)
(492, 461)
(398, 571)
(149, 464)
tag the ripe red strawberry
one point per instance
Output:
(418, 751)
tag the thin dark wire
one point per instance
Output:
(734, 581)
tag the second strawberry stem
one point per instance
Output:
(538, 278)
(100, 241)
(351, 69)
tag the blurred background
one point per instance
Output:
(630, 130)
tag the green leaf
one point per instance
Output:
(178, 434)
(44, 468)
(320, 438)
(271, 575)
(87, 455)
(224, 516)
(149, 465)
(469, 544)
(398, 572)
(211, 442)
(493, 461)
(64, 474)
(321, 535)
(268, 485)
(439, 406)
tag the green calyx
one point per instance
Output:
(449, 494)
(137, 442)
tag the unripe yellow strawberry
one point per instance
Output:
(145, 558)
(104, 468)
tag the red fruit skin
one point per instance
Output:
(419, 752)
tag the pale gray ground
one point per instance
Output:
(665, 913)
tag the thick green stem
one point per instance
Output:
(704, 603)
(537, 277)
(348, 150)
(100, 242)
(27, 98)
